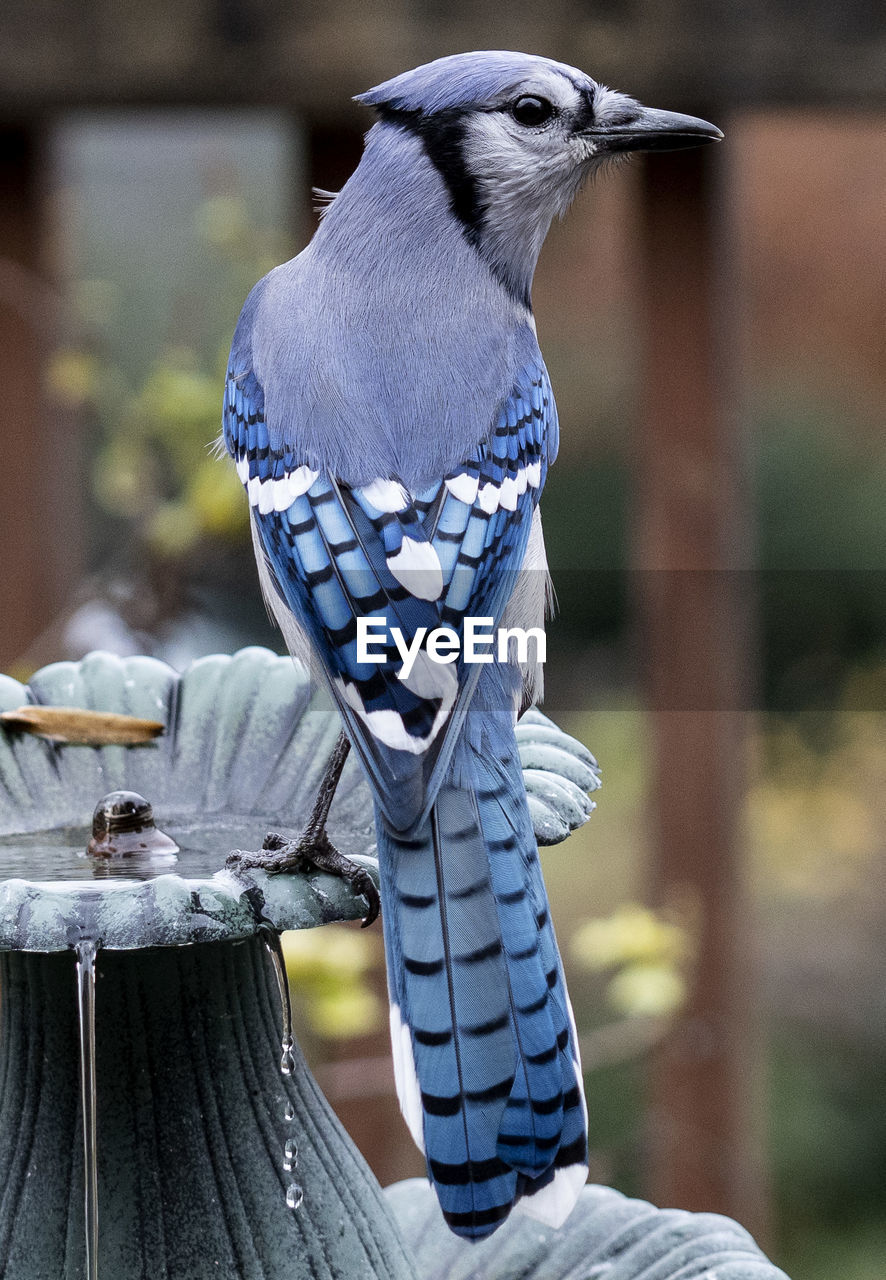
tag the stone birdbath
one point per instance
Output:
(157, 1122)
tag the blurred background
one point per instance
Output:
(713, 323)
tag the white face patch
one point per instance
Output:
(525, 174)
(537, 164)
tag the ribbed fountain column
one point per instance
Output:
(192, 1126)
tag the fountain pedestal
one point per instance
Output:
(191, 1111)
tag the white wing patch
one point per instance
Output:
(408, 1089)
(275, 495)
(553, 1204)
(416, 566)
(386, 496)
(464, 487)
(427, 679)
(491, 496)
(510, 490)
(487, 497)
(533, 474)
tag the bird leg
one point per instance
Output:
(313, 849)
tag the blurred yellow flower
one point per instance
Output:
(648, 953)
(647, 990)
(631, 934)
(72, 377)
(340, 1014)
(327, 971)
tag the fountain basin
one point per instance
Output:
(246, 745)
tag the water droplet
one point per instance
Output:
(289, 1113)
(290, 1154)
(287, 1060)
(294, 1195)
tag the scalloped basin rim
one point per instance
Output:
(170, 910)
(246, 745)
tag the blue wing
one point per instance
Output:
(338, 553)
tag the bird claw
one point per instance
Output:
(312, 851)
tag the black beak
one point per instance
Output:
(653, 130)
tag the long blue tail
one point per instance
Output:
(484, 1043)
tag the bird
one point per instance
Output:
(391, 418)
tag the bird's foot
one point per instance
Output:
(311, 851)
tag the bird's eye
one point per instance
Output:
(532, 111)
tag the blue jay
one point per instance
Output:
(389, 413)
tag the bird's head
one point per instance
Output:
(514, 137)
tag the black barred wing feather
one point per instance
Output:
(481, 527)
(339, 554)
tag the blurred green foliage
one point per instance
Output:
(176, 222)
(817, 840)
(819, 490)
(821, 498)
(328, 972)
(829, 1154)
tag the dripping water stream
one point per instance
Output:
(86, 952)
(275, 951)
(294, 1192)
